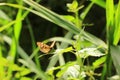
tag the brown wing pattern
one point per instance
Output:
(45, 48)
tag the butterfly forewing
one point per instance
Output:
(43, 47)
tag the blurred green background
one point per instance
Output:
(21, 29)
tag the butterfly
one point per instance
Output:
(44, 47)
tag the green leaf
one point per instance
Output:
(60, 51)
(4, 16)
(85, 12)
(18, 25)
(110, 20)
(72, 7)
(7, 25)
(90, 52)
(69, 18)
(115, 54)
(97, 41)
(61, 39)
(64, 68)
(101, 3)
(3, 22)
(22, 72)
(114, 77)
(117, 25)
(99, 61)
(3, 61)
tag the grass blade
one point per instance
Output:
(53, 17)
(117, 25)
(115, 53)
(101, 3)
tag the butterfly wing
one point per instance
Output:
(43, 47)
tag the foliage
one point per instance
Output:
(17, 64)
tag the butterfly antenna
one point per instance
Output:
(53, 43)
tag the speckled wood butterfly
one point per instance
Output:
(44, 47)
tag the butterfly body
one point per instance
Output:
(45, 48)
